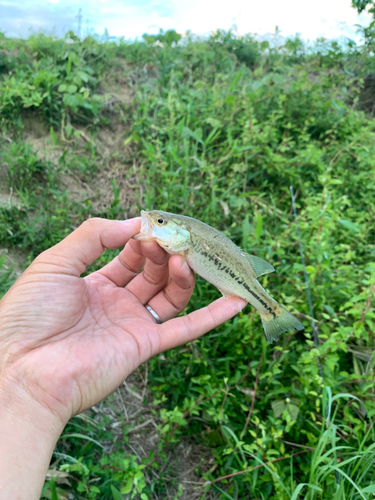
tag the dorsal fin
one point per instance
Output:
(260, 266)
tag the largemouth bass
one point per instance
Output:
(219, 261)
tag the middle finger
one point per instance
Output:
(155, 275)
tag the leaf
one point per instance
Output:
(214, 122)
(194, 135)
(356, 366)
(81, 436)
(87, 105)
(116, 495)
(223, 492)
(293, 411)
(71, 101)
(236, 79)
(299, 488)
(227, 430)
(230, 100)
(128, 140)
(202, 379)
(53, 490)
(347, 478)
(278, 407)
(258, 225)
(245, 230)
(329, 309)
(349, 225)
(72, 89)
(128, 486)
(345, 395)
(84, 76)
(53, 136)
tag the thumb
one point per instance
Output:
(86, 244)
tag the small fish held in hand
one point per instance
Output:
(219, 261)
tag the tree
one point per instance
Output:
(361, 5)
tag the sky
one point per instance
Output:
(131, 18)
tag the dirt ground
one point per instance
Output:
(183, 460)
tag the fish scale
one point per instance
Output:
(219, 261)
(223, 277)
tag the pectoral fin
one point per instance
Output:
(260, 266)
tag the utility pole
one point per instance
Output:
(79, 18)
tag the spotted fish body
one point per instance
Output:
(219, 261)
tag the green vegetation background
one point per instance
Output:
(218, 129)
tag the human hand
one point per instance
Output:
(68, 341)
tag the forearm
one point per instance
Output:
(28, 433)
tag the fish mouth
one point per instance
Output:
(147, 227)
(145, 234)
(146, 224)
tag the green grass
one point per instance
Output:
(219, 129)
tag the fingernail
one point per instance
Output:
(185, 266)
(129, 221)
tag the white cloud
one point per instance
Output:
(132, 18)
(312, 19)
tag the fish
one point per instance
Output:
(218, 260)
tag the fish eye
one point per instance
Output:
(160, 221)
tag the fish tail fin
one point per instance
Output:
(282, 323)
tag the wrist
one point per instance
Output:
(28, 434)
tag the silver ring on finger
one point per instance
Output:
(154, 314)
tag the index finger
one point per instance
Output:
(86, 244)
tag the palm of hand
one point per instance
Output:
(74, 340)
(70, 341)
(96, 334)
